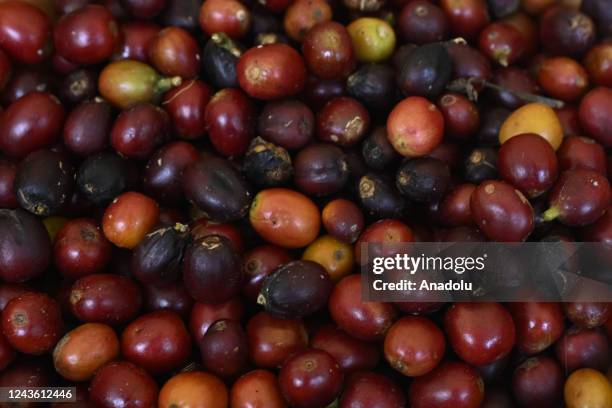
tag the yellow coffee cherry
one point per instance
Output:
(373, 39)
(533, 118)
(334, 255)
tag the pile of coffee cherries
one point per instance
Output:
(186, 188)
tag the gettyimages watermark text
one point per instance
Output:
(501, 272)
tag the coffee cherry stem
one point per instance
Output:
(181, 228)
(167, 83)
(470, 86)
(551, 214)
(225, 42)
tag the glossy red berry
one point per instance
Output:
(229, 118)
(579, 197)
(328, 51)
(175, 52)
(157, 342)
(529, 163)
(480, 333)
(501, 212)
(310, 378)
(452, 384)
(32, 323)
(224, 16)
(25, 32)
(271, 72)
(414, 346)
(363, 320)
(81, 249)
(186, 106)
(30, 123)
(87, 36)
